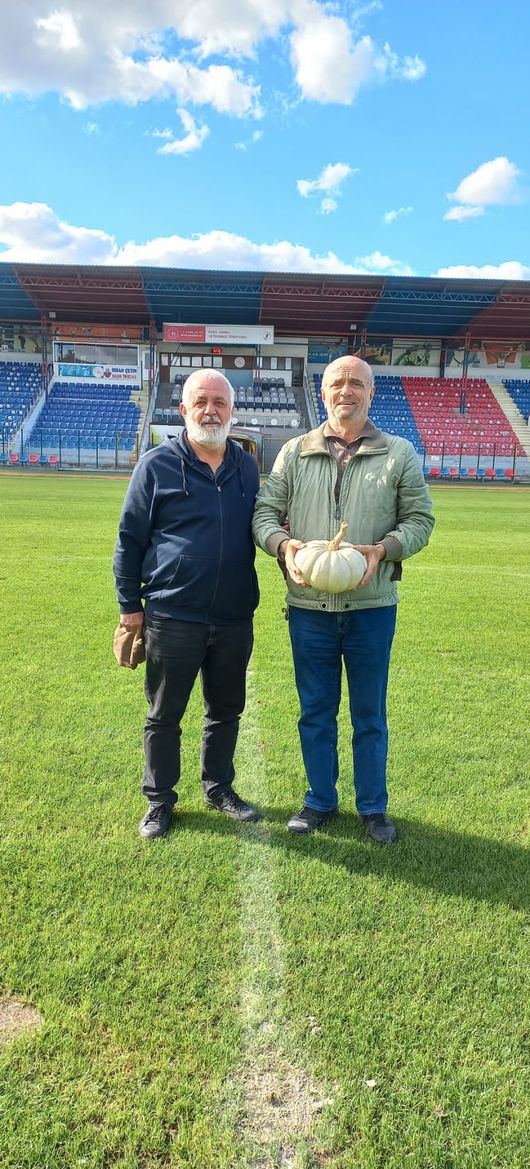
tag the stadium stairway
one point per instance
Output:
(513, 414)
(141, 399)
(20, 387)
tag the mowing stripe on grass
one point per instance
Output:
(278, 1099)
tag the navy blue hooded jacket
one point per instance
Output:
(185, 545)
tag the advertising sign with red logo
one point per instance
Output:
(220, 334)
(196, 334)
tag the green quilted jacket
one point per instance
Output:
(383, 498)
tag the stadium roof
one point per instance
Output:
(307, 305)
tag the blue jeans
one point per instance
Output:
(320, 641)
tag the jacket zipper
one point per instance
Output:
(221, 535)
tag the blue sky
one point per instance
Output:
(291, 135)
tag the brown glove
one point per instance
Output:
(129, 648)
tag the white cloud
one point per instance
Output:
(460, 212)
(33, 233)
(93, 129)
(391, 216)
(119, 52)
(192, 140)
(134, 52)
(494, 182)
(59, 30)
(509, 270)
(167, 133)
(328, 205)
(330, 180)
(379, 264)
(331, 66)
(255, 137)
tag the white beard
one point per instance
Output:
(211, 436)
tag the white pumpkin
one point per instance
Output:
(333, 567)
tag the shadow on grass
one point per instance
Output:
(450, 863)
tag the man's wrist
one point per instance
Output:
(281, 551)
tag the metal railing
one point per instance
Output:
(70, 448)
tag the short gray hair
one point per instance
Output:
(205, 375)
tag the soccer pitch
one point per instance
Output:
(233, 997)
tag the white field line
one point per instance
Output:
(278, 1100)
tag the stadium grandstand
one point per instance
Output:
(93, 361)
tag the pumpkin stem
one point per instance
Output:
(337, 540)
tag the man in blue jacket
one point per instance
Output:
(185, 550)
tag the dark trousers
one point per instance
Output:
(176, 652)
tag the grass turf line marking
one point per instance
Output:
(279, 1101)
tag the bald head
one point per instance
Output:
(348, 362)
(347, 390)
(206, 379)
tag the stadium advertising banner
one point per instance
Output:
(220, 334)
(70, 332)
(378, 354)
(20, 339)
(421, 352)
(98, 373)
(490, 354)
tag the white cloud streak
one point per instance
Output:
(508, 270)
(193, 139)
(33, 233)
(493, 183)
(460, 212)
(391, 216)
(331, 178)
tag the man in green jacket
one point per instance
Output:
(349, 470)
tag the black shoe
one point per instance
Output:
(308, 819)
(379, 828)
(233, 805)
(157, 821)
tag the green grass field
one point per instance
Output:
(234, 997)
